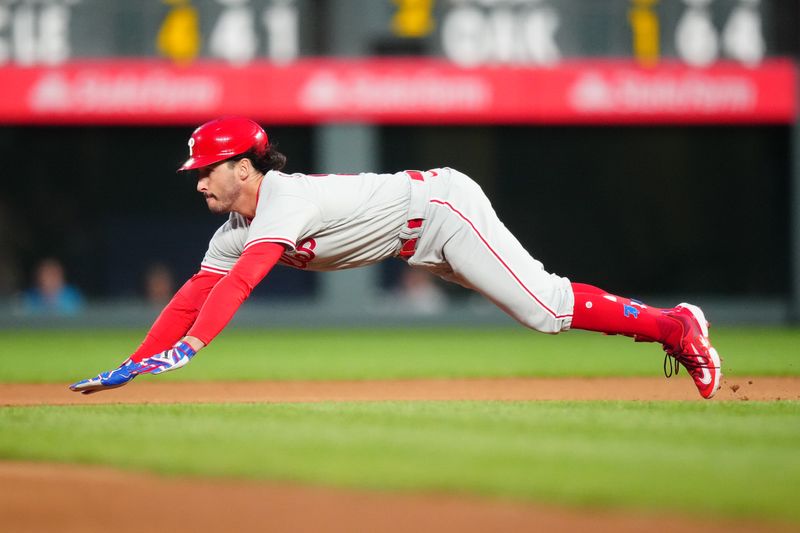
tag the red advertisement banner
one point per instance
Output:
(399, 91)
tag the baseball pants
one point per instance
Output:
(463, 241)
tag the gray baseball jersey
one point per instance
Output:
(338, 221)
(326, 222)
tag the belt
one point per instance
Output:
(417, 204)
(410, 245)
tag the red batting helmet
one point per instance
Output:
(222, 138)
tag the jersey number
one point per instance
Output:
(302, 255)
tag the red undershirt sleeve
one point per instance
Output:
(225, 298)
(178, 316)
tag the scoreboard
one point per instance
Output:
(399, 61)
(467, 32)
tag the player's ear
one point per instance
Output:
(243, 167)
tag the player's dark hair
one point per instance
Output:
(269, 160)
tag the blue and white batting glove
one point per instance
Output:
(172, 359)
(108, 380)
(176, 357)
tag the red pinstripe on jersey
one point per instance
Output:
(213, 269)
(279, 240)
(497, 256)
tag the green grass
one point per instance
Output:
(725, 459)
(738, 459)
(64, 356)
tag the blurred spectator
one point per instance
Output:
(159, 285)
(419, 292)
(51, 294)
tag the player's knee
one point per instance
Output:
(543, 322)
(552, 310)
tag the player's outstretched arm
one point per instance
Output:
(164, 335)
(171, 359)
(232, 290)
(178, 316)
(220, 304)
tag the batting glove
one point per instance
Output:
(172, 359)
(176, 357)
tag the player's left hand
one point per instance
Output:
(174, 358)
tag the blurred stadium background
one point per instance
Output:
(648, 146)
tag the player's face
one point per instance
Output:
(218, 184)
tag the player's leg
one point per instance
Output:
(506, 274)
(682, 330)
(484, 256)
(597, 310)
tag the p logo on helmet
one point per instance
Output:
(223, 138)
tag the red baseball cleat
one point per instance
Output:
(694, 351)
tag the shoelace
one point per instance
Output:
(671, 363)
(671, 366)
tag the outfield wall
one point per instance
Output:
(386, 312)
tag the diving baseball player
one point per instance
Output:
(438, 219)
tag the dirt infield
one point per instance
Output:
(146, 391)
(65, 498)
